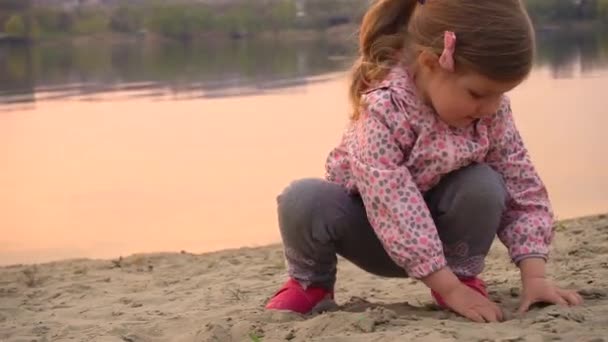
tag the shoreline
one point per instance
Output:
(559, 224)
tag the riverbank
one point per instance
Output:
(220, 297)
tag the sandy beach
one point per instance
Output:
(220, 297)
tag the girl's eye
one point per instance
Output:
(474, 94)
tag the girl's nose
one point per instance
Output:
(487, 109)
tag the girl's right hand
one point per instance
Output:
(471, 304)
(461, 298)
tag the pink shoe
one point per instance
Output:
(473, 282)
(293, 297)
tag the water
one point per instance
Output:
(110, 149)
(31, 74)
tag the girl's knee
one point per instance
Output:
(483, 189)
(303, 199)
(300, 195)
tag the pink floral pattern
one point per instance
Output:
(399, 149)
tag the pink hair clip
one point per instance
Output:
(446, 60)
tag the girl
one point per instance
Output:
(431, 167)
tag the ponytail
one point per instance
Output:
(383, 33)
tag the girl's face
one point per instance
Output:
(460, 98)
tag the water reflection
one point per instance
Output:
(166, 70)
(569, 53)
(29, 73)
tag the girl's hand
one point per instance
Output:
(461, 298)
(472, 305)
(540, 289)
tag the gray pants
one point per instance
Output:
(319, 219)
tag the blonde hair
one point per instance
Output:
(494, 38)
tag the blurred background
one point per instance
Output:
(165, 125)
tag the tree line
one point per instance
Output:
(236, 19)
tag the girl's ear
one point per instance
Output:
(428, 61)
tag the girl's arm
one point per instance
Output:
(527, 226)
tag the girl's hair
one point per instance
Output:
(494, 38)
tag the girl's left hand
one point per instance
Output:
(540, 289)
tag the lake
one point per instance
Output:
(111, 149)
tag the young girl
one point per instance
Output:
(431, 167)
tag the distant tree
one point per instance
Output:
(51, 22)
(557, 10)
(602, 10)
(126, 19)
(90, 22)
(166, 20)
(283, 14)
(15, 26)
(241, 20)
(182, 22)
(15, 5)
(65, 22)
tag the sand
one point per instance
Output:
(220, 297)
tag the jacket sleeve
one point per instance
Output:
(527, 225)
